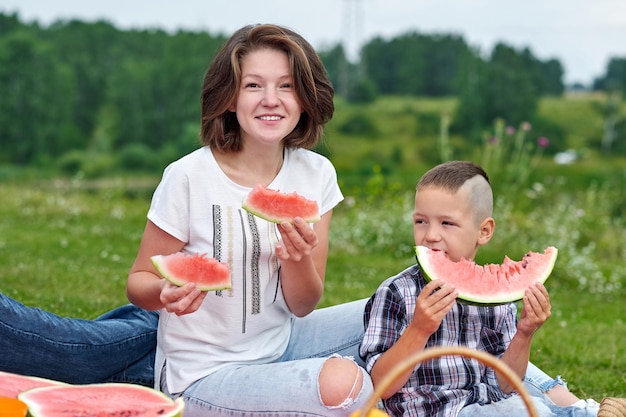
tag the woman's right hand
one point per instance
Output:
(181, 300)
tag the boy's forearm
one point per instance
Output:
(516, 357)
(410, 342)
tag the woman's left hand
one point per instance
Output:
(298, 240)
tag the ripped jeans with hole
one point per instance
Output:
(288, 386)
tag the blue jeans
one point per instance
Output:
(288, 386)
(537, 383)
(118, 346)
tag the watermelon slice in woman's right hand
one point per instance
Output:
(207, 273)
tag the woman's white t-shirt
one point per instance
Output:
(197, 203)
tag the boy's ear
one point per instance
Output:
(485, 230)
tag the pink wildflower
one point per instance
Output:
(543, 142)
(493, 140)
(510, 130)
(526, 126)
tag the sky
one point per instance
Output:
(582, 34)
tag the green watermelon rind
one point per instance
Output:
(35, 407)
(157, 261)
(422, 259)
(258, 212)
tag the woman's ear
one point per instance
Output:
(485, 230)
(233, 106)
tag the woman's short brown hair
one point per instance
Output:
(220, 128)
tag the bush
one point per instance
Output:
(359, 125)
(71, 162)
(87, 164)
(362, 91)
(138, 157)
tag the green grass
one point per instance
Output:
(585, 341)
(67, 248)
(580, 115)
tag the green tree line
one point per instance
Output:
(74, 90)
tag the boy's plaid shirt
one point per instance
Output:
(442, 386)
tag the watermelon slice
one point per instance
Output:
(489, 284)
(277, 207)
(12, 384)
(207, 273)
(106, 400)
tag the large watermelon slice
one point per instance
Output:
(278, 207)
(12, 384)
(489, 284)
(207, 273)
(102, 400)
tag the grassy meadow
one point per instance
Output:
(66, 244)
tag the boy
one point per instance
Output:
(453, 209)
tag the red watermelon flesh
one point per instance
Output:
(489, 284)
(101, 400)
(277, 207)
(207, 273)
(12, 384)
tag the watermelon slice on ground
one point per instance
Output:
(105, 400)
(277, 207)
(489, 284)
(12, 384)
(207, 273)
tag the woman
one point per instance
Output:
(265, 101)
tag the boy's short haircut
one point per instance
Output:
(453, 175)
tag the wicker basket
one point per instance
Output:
(612, 407)
(432, 353)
